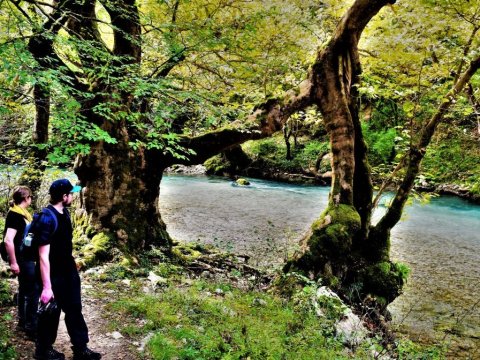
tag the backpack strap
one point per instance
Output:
(53, 216)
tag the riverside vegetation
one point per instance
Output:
(129, 88)
(200, 303)
(211, 305)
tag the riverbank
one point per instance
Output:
(265, 220)
(275, 174)
(210, 305)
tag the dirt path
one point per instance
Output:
(101, 337)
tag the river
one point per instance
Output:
(439, 241)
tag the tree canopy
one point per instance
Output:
(130, 88)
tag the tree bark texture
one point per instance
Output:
(33, 173)
(335, 248)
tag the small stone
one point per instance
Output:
(116, 335)
(259, 302)
(351, 330)
(156, 280)
(219, 291)
(126, 282)
(187, 281)
(144, 342)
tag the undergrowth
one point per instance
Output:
(202, 320)
(7, 350)
(207, 318)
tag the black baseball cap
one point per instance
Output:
(63, 186)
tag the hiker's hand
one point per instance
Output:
(47, 294)
(15, 268)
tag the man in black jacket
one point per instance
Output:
(60, 279)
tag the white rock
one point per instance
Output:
(351, 330)
(116, 335)
(155, 279)
(325, 291)
(259, 302)
(144, 342)
(219, 291)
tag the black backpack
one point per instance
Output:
(30, 235)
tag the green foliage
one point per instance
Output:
(381, 144)
(407, 349)
(265, 148)
(332, 307)
(193, 323)
(403, 270)
(7, 351)
(273, 152)
(227, 56)
(217, 165)
(195, 318)
(10, 172)
(5, 293)
(312, 151)
(453, 158)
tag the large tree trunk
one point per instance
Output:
(32, 175)
(121, 193)
(335, 249)
(342, 246)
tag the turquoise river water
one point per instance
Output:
(439, 241)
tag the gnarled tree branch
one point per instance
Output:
(393, 214)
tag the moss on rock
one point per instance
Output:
(217, 165)
(96, 250)
(384, 280)
(333, 232)
(242, 182)
(186, 253)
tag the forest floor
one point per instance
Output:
(103, 338)
(212, 306)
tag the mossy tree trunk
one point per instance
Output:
(122, 194)
(122, 184)
(335, 249)
(32, 175)
(343, 247)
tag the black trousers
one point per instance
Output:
(28, 294)
(66, 291)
